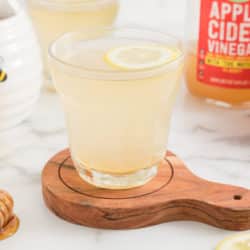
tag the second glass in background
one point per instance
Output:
(52, 18)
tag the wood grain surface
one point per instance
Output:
(174, 194)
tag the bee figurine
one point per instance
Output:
(3, 76)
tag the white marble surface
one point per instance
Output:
(214, 142)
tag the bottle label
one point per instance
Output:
(223, 57)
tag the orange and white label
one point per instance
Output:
(224, 43)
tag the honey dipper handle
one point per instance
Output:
(6, 207)
(9, 223)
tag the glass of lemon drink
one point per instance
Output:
(117, 87)
(52, 18)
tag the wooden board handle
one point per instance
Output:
(217, 204)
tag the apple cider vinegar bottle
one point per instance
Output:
(218, 51)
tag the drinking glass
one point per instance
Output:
(117, 120)
(52, 18)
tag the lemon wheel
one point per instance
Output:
(236, 242)
(140, 57)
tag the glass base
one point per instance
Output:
(112, 181)
(48, 84)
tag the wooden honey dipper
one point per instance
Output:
(9, 223)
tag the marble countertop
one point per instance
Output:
(214, 142)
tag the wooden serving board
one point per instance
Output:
(174, 194)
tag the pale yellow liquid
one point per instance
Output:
(51, 20)
(115, 126)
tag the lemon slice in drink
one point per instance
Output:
(237, 242)
(140, 57)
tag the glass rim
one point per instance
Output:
(93, 71)
(66, 3)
